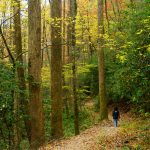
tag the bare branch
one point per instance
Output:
(4, 57)
(7, 47)
(21, 54)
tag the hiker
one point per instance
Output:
(116, 116)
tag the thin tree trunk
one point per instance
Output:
(113, 8)
(73, 47)
(106, 12)
(68, 34)
(44, 38)
(56, 71)
(34, 66)
(63, 32)
(101, 63)
(76, 109)
(89, 36)
(118, 9)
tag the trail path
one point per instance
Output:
(102, 136)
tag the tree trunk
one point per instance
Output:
(56, 71)
(113, 8)
(68, 34)
(63, 31)
(106, 12)
(73, 47)
(118, 9)
(101, 63)
(34, 47)
(20, 70)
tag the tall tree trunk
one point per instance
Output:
(73, 11)
(101, 63)
(113, 8)
(118, 9)
(44, 36)
(63, 31)
(34, 47)
(90, 50)
(56, 71)
(20, 70)
(106, 12)
(68, 34)
(66, 46)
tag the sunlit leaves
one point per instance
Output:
(45, 77)
(139, 32)
(128, 72)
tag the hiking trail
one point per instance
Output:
(101, 136)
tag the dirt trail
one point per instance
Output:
(94, 138)
(88, 140)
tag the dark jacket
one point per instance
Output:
(116, 114)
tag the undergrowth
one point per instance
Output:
(132, 134)
(87, 118)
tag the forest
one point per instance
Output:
(65, 65)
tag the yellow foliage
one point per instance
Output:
(45, 77)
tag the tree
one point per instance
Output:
(22, 100)
(34, 66)
(103, 102)
(56, 70)
(65, 52)
(128, 71)
(73, 7)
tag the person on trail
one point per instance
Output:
(116, 116)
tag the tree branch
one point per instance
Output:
(7, 47)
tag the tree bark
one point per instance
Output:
(34, 66)
(101, 62)
(73, 11)
(56, 71)
(106, 12)
(20, 70)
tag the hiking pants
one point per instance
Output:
(115, 122)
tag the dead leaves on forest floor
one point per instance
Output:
(104, 136)
(87, 140)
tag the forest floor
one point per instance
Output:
(132, 133)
